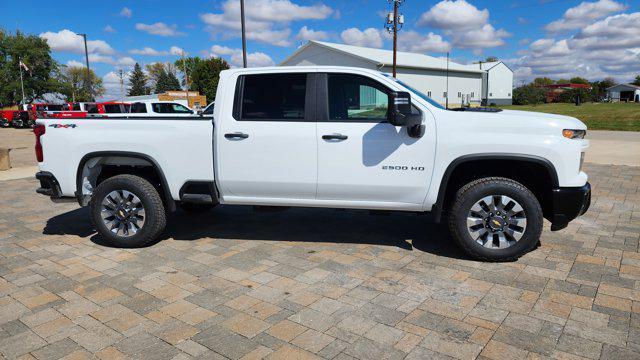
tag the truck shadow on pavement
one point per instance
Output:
(405, 230)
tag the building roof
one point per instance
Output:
(628, 86)
(381, 57)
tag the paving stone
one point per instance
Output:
(360, 295)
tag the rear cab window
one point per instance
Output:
(271, 97)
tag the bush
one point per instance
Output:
(569, 96)
(529, 95)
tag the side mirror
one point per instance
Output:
(400, 108)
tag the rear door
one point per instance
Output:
(363, 161)
(266, 145)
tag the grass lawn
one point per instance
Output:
(597, 116)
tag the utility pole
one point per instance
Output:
(244, 39)
(446, 106)
(121, 76)
(87, 82)
(20, 65)
(393, 25)
(186, 77)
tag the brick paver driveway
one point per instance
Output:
(304, 283)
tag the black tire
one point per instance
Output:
(476, 190)
(154, 220)
(195, 208)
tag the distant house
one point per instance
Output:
(624, 92)
(480, 83)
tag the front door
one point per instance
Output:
(362, 159)
(267, 150)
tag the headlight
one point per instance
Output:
(574, 134)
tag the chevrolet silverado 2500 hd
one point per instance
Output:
(324, 137)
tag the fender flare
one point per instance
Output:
(171, 204)
(438, 207)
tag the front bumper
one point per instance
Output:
(568, 204)
(50, 187)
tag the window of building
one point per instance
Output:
(354, 97)
(459, 94)
(472, 95)
(273, 97)
(444, 94)
(428, 93)
(490, 94)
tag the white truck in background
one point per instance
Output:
(332, 137)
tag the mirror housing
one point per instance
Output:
(400, 108)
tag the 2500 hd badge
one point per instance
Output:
(402, 167)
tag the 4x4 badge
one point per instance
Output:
(63, 126)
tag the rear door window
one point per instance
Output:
(138, 108)
(271, 97)
(112, 109)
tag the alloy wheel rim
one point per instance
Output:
(122, 213)
(496, 222)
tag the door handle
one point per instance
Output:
(335, 137)
(237, 135)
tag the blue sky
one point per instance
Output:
(555, 38)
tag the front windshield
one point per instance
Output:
(420, 94)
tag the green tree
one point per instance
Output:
(491, 59)
(72, 82)
(206, 75)
(543, 81)
(189, 65)
(137, 82)
(579, 80)
(530, 94)
(636, 81)
(36, 55)
(161, 81)
(172, 81)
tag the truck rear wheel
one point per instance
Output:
(495, 219)
(127, 211)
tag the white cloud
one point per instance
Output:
(467, 26)
(74, 63)
(415, 42)
(109, 29)
(160, 29)
(607, 47)
(370, 37)
(485, 37)
(614, 32)
(126, 12)
(309, 34)
(67, 40)
(580, 16)
(148, 51)
(254, 59)
(454, 15)
(174, 50)
(111, 83)
(125, 61)
(266, 20)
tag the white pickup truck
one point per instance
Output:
(332, 137)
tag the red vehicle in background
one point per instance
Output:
(15, 118)
(109, 107)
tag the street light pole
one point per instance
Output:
(244, 39)
(394, 24)
(87, 80)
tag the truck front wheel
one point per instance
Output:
(495, 219)
(127, 211)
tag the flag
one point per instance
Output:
(24, 66)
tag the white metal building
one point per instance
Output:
(484, 83)
(624, 92)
